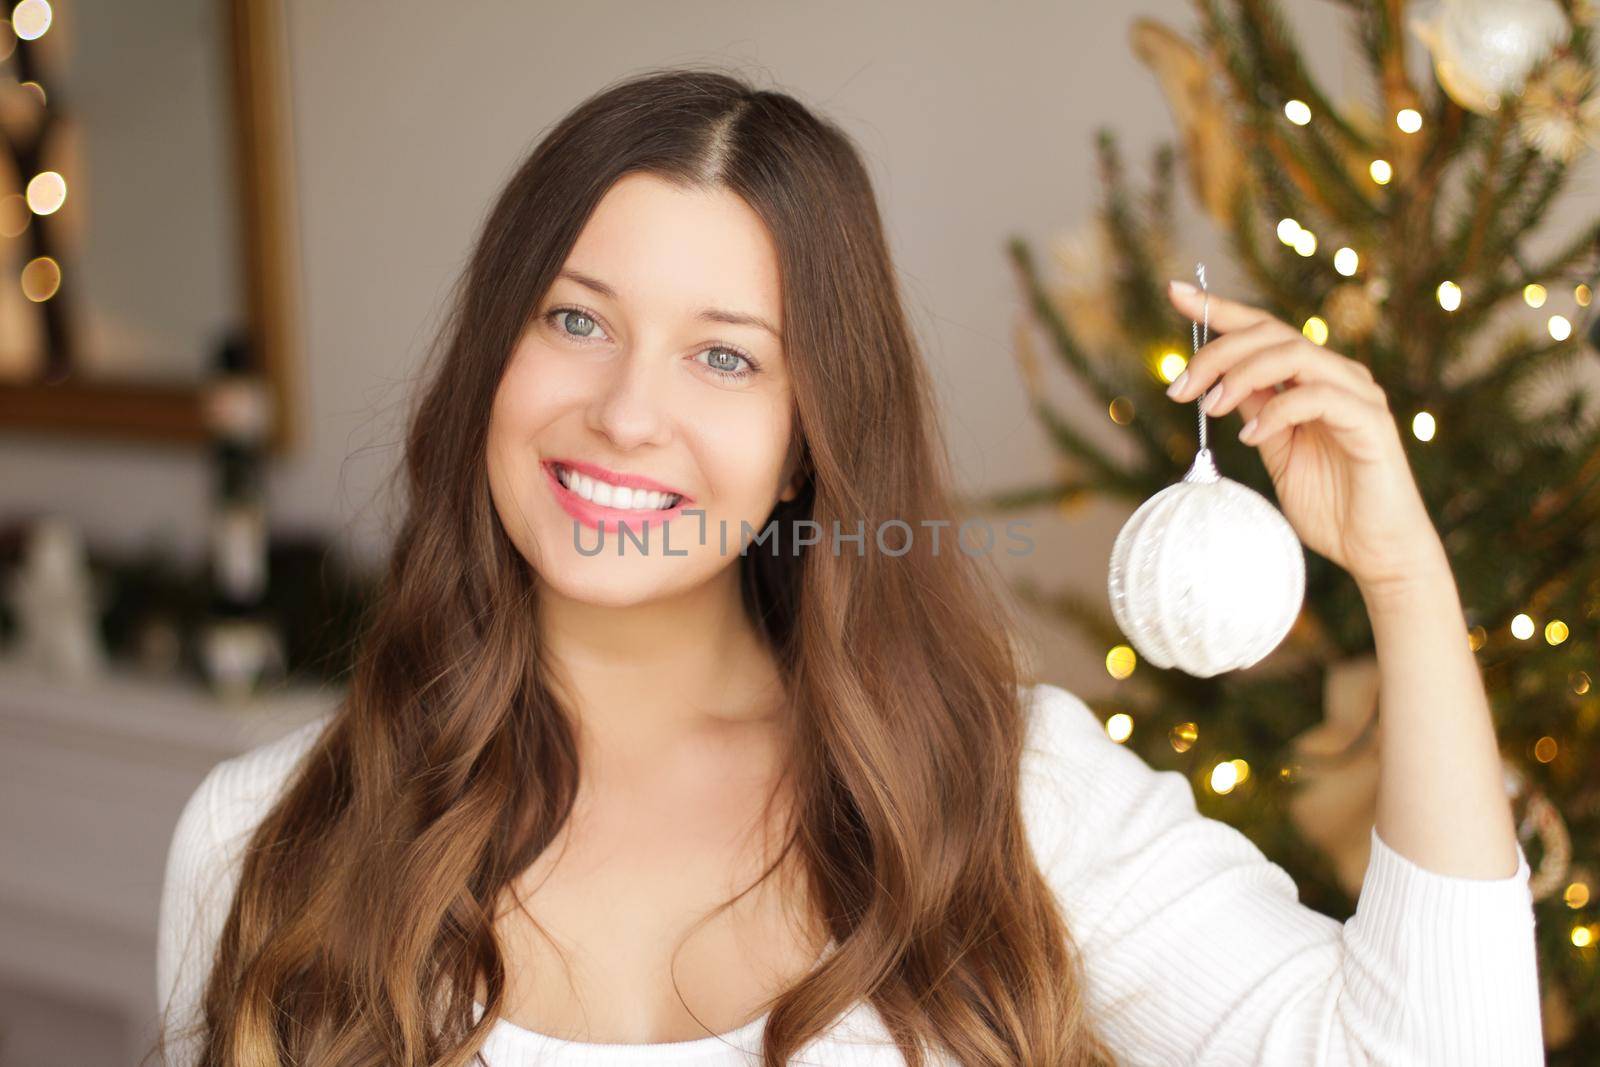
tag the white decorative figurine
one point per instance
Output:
(55, 603)
(1207, 575)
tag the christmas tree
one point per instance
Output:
(1399, 232)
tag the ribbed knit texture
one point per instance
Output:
(1196, 948)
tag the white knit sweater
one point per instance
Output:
(1196, 948)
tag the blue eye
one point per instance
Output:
(724, 364)
(580, 316)
(724, 368)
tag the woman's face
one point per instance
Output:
(633, 372)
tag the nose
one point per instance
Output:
(628, 406)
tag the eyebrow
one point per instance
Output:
(734, 318)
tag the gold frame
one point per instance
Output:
(262, 140)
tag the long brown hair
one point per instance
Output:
(364, 915)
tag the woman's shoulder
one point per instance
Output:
(1080, 790)
(203, 858)
(1063, 734)
(224, 810)
(237, 792)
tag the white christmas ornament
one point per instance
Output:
(1207, 575)
(1483, 50)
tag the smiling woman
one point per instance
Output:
(653, 371)
(694, 805)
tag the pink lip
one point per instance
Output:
(596, 516)
(630, 481)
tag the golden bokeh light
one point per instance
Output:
(47, 191)
(1119, 726)
(1170, 365)
(40, 279)
(31, 18)
(1120, 662)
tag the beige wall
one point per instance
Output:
(977, 120)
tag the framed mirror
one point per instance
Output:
(147, 220)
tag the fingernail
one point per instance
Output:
(1212, 399)
(1178, 383)
(1249, 428)
(1182, 287)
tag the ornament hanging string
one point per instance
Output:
(1200, 338)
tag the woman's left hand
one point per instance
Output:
(1325, 434)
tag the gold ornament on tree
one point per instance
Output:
(1351, 312)
(1559, 114)
(1210, 144)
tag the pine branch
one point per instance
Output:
(1070, 441)
(1283, 63)
(1088, 616)
(1054, 493)
(1063, 340)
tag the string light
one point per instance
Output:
(1224, 776)
(14, 215)
(1183, 736)
(1477, 637)
(1345, 261)
(1522, 627)
(1544, 749)
(1305, 242)
(1170, 365)
(1298, 112)
(1449, 295)
(1582, 936)
(40, 279)
(1577, 895)
(47, 191)
(1381, 171)
(1240, 768)
(1409, 119)
(1120, 662)
(1121, 411)
(1119, 726)
(1316, 329)
(1288, 230)
(1423, 426)
(1582, 294)
(30, 19)
(1560, 327)
(1555, 631)
(1534, 294)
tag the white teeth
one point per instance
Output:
(619, 497)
